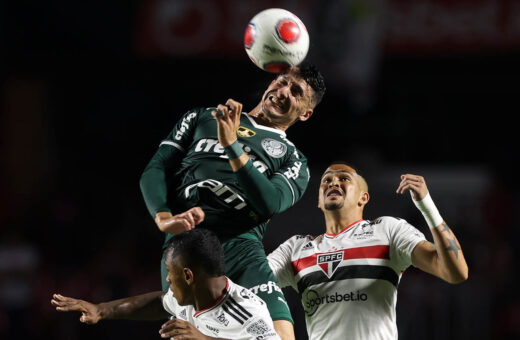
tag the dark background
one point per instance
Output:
(89, 89)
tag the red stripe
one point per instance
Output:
(370, 252)
(216, 303)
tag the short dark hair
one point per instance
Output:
(313, 77)
(199, 248)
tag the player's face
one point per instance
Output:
(177, 280)
(287, 99)
(340, 188)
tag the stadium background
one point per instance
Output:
(88, 89)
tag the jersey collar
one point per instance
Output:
(263, 127)
(219, 300)
(344, 229)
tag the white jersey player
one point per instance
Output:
(347, 278)
(238, 314)
(201, 302)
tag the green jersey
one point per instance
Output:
(191, 169)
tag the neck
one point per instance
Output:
(337, 220)
(262, 119)
(207, 293)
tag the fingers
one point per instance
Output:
(415, 184)
(236, 108)
(174, 328)
(66, 304)
(228, 112)
(198, 214)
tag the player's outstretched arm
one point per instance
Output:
(141, 307)
(180, 329)
(444, 257)
(176, 224)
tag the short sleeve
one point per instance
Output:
(403, 237)
(281, 264)
(170, 303)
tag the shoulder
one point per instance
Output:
(386, 221)
(243, 298)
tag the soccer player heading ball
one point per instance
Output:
(231, 171)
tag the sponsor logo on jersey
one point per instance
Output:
(212, 145)
(274, 148)
(221, 190)
(222, 319)
(182, 314)
(259, 329)
(184, 125)
(329, 262)
(266, 287)
(308, 246)
(245, 132)
(364, 231)
(213, 329)
(312, 300)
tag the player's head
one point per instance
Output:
(293, 95)
(342, 188)
(193, 257)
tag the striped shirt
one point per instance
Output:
(237, 314)
(348, 281)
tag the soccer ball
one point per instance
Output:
(276, 39)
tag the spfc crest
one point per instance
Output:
(329, 262)
(274, 148)
(245, 132)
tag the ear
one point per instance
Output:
(363, 199)
(306, 115)
(188, 275)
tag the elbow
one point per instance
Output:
(458, 277)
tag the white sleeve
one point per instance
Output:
(403, 237)
(170, 303)
(281, 264)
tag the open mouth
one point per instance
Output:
(335, 193)
(277, 102)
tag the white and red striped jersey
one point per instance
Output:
(238, 314)
(348, 281)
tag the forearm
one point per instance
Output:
(141, 307)
(451, 262)
(264, 197)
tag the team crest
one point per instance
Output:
(245, 132)
(274, 148)
(329, 262)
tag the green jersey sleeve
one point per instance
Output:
(154, 180)
(282, 190)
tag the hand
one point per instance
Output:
(228, 121)
(176, 224)
(90, 313)
(179, 329)
(415, 184)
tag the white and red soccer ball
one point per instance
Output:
(276, 39)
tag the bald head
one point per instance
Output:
(344, 167)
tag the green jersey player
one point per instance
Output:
(230, 172)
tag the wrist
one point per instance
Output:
(429, 210)
(234, 150)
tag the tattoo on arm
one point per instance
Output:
(445, 227)
(453, 247)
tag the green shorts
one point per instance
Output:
(246, 265)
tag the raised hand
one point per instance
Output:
(90, 313)
(228, 121)
(415, 184)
